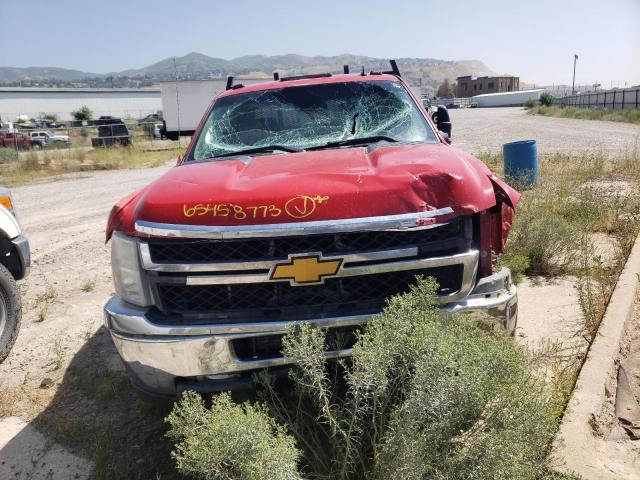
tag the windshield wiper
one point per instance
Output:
(266, 148)
(354, 141)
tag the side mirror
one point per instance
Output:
(443, 121)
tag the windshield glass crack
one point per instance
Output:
(310, 116)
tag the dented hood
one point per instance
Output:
(320, 185)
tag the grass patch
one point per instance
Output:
(48, 296)
(577, 200)
(33, 165)
(131, 157)
(88, 286)
(57, 354)
(627, 116)
(43, 300)
(8, 154)
(423, 397)
(42, 312)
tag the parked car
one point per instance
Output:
(46, 123)
(47, 138)
(111, 131)
(17, 140)
(311, 198)
(15, 259)
(151, 118)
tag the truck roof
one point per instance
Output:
(318, 80)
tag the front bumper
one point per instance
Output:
(163, 360)
(21, 246)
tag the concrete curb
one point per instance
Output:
(575, 439)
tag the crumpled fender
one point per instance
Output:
(121, 212)
(509, 194)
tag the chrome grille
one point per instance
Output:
(360, 293)
(445, 238)
(216, 281)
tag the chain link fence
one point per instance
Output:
(94, 133)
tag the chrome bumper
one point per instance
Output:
(158, 356)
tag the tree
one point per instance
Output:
(445, 89)
(83, 113)
(547, 99)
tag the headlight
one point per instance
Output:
(127, 272)
(6, 200)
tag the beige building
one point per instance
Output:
(469, 86)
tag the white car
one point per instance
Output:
(45, 138)
(15, 259)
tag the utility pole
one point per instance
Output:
(573, 85)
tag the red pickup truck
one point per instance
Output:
(15, 140)
(305, 199)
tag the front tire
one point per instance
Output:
(10, 312)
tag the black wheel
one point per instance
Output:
(10, 312)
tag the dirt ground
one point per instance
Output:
(62, 345)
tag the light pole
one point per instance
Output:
(573, 85)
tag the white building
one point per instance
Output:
(118, 102)
(184, 102)
(507, 99)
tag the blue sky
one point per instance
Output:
(535, 40)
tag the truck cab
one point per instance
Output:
(306, 199)
(111, 131)
(17, 140)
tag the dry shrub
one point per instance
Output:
(230, 441)
(424, 396)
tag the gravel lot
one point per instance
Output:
(65, 221)
(486, 129)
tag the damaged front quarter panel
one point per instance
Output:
(495, 224)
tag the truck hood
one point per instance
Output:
(317, 185)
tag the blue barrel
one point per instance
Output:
(521, 163)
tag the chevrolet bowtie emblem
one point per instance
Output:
(305, 269)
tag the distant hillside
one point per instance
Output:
(14, 74)
(425, 72)
(197, 64)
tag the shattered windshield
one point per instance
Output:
(298, 118)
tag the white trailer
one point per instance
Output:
(184, 102)
(506, 99)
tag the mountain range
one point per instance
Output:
(423, 71)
